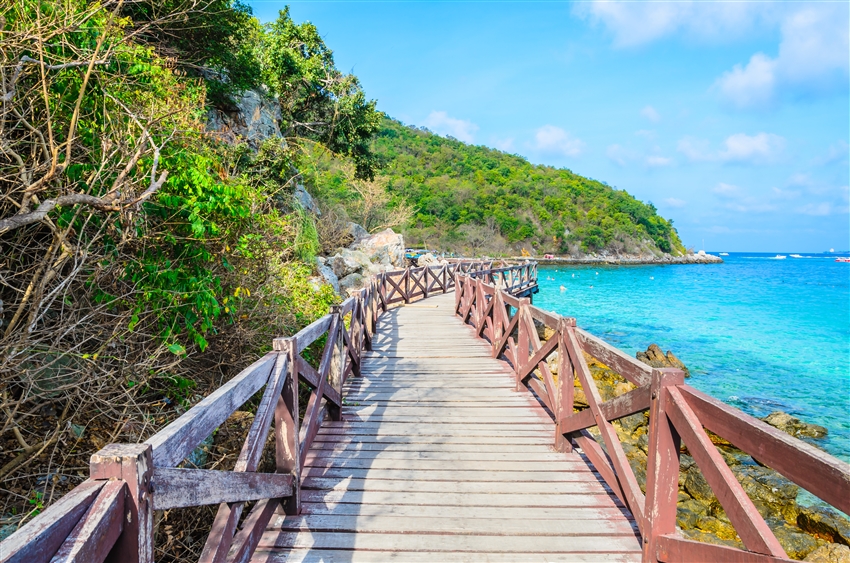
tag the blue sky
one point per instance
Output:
(732, 118)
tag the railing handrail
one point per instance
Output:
(678, 412)
(111, 513)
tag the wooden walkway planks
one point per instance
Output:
(438, 458)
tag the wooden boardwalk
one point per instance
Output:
(438, 458)
(428, 453)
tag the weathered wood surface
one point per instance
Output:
(47, 532)
(438, 458)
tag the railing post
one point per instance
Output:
(335, 371)
(458, 291)
(133, 464)
(425, 273)
(366, 314)
(287, 455)
(566, 389)
(478, 309)
(406, 277)
(523, 340)
(662, 466)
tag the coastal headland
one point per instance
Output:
(627, 259)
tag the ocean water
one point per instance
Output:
(758, 333)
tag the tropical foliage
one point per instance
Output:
(474, 199)
(142, 260)
(463, 193)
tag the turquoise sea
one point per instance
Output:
(759, 333)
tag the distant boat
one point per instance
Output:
(796, 256)
(842, 259)
(779, 257)
(724, 254)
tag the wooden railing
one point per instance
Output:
(677, 413)
(110, 515)
(515, 280)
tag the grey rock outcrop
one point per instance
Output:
(327, 274)
(357, 232)
(367, 256)
(348, 262)
(388, 243)
(254, 118)
(351, 282)
(305, 200)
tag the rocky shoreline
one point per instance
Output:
(809, 533)
(627, 259)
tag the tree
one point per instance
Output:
(318, 102)
(375, 209)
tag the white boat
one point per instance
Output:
(779, 257)
(796, 256)
(724, 254)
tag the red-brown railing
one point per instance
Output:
(110, 515)
(516, 280)
(678, 413)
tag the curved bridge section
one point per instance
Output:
(433, 431)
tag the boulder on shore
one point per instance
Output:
(794, 426)
(656, 358)
(386, 243)
(368, 255)
(830, 553)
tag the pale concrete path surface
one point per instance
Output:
(439, 458)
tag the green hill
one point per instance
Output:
(476, 200)
(467, 196)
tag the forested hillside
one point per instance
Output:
(473, 199)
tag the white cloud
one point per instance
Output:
(813, 57)
(460, 129)
(801, 180)
(554, 140)
(651, 114)
(821, 209)
(506, 145)
(674, 202)
(750, 85)
(694, 149)
(619, 154)
(636, 23)
(785, 194)
(728, 191)
(719, 230)
(751, 205)
(813, 54)
(657, 161)
(836, 153)
(761, 148)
